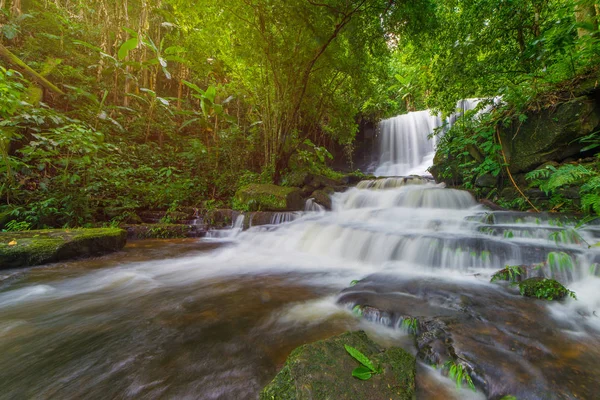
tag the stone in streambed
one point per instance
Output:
(323, 370)
(323, 197)
(265, 197)
(23, 249)
(543, 288)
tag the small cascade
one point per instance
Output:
(236, 228)
(405, 145)
(284, 217)
(312, 206)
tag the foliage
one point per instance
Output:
(459, 374)
(545, 289)
(509, 273)
(587, 177)
(367, 369)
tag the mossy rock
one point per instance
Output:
(543, 288)
(160, 231)
(549, 134)
(510, 274)
(265, 197)
(323, 197)
(323, 370)
(28, 248)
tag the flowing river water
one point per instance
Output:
(215, 318)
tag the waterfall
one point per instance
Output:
(405, 146)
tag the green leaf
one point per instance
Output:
(360, 357)
(126, 47)
(362, 373)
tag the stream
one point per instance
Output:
(215, 318)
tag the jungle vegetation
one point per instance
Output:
(113, 106)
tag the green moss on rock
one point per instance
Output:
(323, 370)
(544, 288)
(22, 249)
(264, 197)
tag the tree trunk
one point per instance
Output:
(16, 61)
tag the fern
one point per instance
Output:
(564, 176)
(591, 203)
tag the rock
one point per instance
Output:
(323, 198)
(486, 181)
(549, 134)
(220, 218)
(320, 181)
(543, 288)
(28, 248)
(510, 274)
(163, 231)
(265, 197)
(491, 205)
(323, 370)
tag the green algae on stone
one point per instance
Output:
(28, 248)
(544, 288)
(265, 197)
(323, 370)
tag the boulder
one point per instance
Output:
(486, 181)
(322, 197)
(28, 248)
(323, 370)
(549, 134)
(220, 218)
(265, 197)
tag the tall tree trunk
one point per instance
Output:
(585, 13)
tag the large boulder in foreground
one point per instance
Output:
(323, 370)
(23, 249)
(265, 197)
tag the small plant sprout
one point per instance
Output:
(357, 310)
(410, 324)
(367, 369)
(459, 374)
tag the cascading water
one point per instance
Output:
(216, 324)
(405, 147)
(215, 320)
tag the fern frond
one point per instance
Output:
(566, 175)
(591, 202)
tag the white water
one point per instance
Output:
(404, 144)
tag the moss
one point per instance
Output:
(510, 273)
(158, 231)
(323, 370)
(22, 249)
(544, 288)
(263, 197)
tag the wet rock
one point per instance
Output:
(510, 274)
(23, 249)
(264, 197)
(543, 288)
(323, 370)
(508, 344)
(323, 198)
(220, 218)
